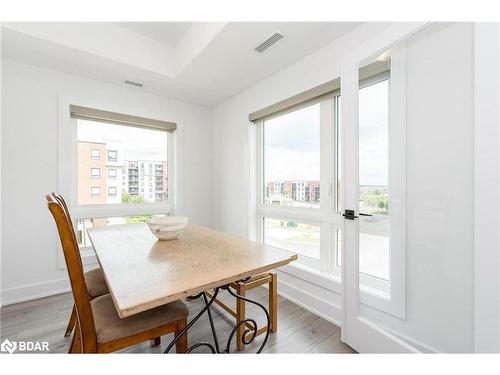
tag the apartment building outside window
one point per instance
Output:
(114, 196)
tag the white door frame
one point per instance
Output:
(357, 331)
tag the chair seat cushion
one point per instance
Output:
(110, 327)
(96, 284)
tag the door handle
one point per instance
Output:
(349, 214)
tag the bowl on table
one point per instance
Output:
(167, 228)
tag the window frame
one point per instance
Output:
(67, 172)
(327, 216)
(390, 296)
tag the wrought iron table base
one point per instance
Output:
(215, 349)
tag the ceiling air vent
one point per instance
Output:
(269, 42)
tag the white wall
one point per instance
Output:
(29, 167)
(440, 191)
(487, 179)
(440, 181)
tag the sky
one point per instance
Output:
(134, 143)
(373, 134)
(292, 141)
(292, 146)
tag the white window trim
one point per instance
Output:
(67, 173)
(326, 216)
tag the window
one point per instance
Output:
(136, 145)
(293, 236)
(374, 179)
(112, 173)
(128, 142)
(95, 192)
(373, 190)
(95, 172)
(293, 211)
(292, 159)
(95, 154)
(112, 155)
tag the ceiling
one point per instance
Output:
(168, 33)
(199, 62)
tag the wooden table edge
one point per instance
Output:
(129, 311)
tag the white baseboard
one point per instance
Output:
(310, 302)
(34, 291)
(423, 348)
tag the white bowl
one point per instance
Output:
(167, 228)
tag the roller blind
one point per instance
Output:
(309, 96)
(85, 113)
(375, 70)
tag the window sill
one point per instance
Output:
(324, 279)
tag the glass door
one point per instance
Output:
(374, 171)
(408, 235)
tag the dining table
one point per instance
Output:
(143, 272)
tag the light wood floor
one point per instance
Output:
(299, 331)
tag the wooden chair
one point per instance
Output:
(241, 287)
(96, 284)
(98, 328)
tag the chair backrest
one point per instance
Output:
(60, 212)
(59, 198)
